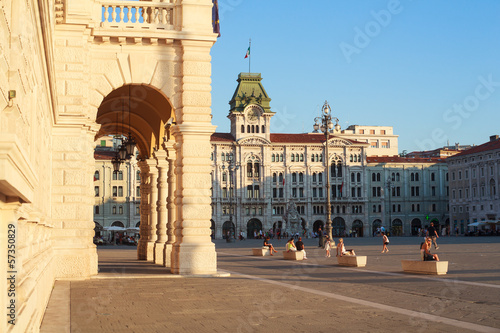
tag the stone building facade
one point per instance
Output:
(259, 177)
(71, 72)
(474, 183)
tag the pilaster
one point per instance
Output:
(153, 214)
(161, 206)
(167, 253)
(145, 209)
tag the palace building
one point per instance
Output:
(263, 180)
(475, 177)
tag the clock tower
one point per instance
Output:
(250, 112)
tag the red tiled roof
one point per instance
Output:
(398, 159)
(222, 137)
(285, 138)
(490, 145)
(104, 155)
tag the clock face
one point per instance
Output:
(252, 115)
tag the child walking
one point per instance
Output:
(327, 247)
(385, 240)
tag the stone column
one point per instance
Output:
(161, 206)
(145, 224)
(193, 251)
(167, 253)
(153, 215)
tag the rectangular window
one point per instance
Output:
(120, 191)
(301, 192)
(256, 192)
(120, 175)
(115, 175)
(320, 192)
(96, 191)
(275, 192)
(115, 191)
(281, 192)
(137, 210)
(314, 193)
(294, 192)
(249, 191)
(433, 191)
(138, 191)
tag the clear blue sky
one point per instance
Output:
(430, 69)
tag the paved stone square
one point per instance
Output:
(275, 295)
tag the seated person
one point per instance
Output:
(300, 247)
(426, 250)
(342, 250)
(290, 246)
(269, 245)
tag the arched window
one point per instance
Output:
(292, 158)
(320, 177)
(314, 177)
(393, 176)
(296, 157)
(321, 157)
(114, 210)
(352, 177)
(302, 157)
(96, 175)
(263, 129)
(312, 157)
(294, 177)
(412, 177)
(257, 129)
(248, 128)
(242, 128)
(301, 177)
(281, 157)
(228, 157)
(397, 176)
(339, 169)
(120, 210)
(281, 177)
(222, 156)
(253, 129)
(249, 169)
(358, 176)
(374, 177)
(273, 158)
(333, 170)
(351, 158)
(274, 177)
(256, 168)
(378, 176)
(416, 176)
(224, 176)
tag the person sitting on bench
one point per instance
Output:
(269, 245)
(342, 250)
(426, 247)
(290, 246)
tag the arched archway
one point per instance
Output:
(318, 224)
(416, 224)
(397, 227)
(254, 225)
(228, 230)
(375, 226)
(338, 227)
(357, 228)
(118, 224)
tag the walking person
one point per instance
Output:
(385, 241)
(432, 233)
(327, 246)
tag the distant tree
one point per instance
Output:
(403, 153)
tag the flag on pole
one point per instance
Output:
(248, 53)
(215, 17)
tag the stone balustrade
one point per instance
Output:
(138, 14)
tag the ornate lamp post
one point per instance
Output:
(325, 124)
(232, 189)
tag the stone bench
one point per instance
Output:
(293, 255)
(356, 261)
(425, 267)
(261, 251)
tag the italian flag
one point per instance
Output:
(248, 53)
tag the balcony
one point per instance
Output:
(130, 21)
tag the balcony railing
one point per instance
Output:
(138, 14)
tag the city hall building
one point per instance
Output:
(264, 181)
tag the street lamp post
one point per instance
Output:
(232, 189)
(325, 124)
(390, 186)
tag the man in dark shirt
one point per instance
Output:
(432, 233)
(300, 247)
